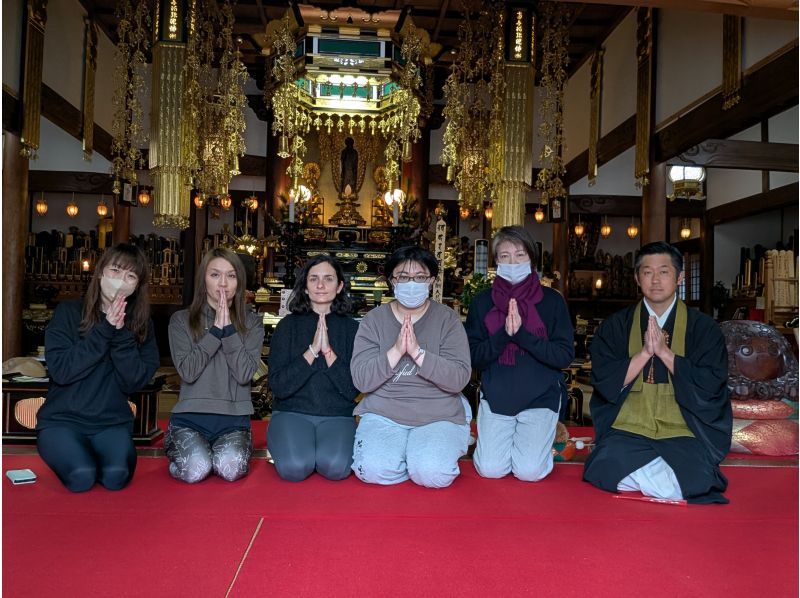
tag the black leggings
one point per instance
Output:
(80, 459)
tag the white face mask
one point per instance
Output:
(110, 287)
(411, 294)
(514, 273)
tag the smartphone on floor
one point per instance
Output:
(21, 476)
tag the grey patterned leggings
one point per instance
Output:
(192, 457)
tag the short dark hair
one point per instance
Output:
(518, 236)
(411, 253)
(660, 247)
(299, 303)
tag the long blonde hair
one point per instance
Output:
(137, 314)
(237, 309)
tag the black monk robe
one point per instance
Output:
(700, 386)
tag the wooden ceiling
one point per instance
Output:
(590, 26)
(592, 22)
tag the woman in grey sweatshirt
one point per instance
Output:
(216, 348)
(411, 360)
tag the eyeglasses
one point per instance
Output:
(416, 278)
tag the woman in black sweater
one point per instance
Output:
(312, 426)
(99, 351)
(520, 337)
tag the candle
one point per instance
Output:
(395, 213)
(291, 208)
(85, 265)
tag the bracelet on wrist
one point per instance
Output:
(313, 354)
(327, 353)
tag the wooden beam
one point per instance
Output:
(760, 9)
(766, 92)
(775, 199)
(611, 145)
(608, 205)
(743, 155)
(60, 181)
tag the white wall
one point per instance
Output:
(63, 49)
(104, 82)
(613, 178)
(689, 59)
(577, 112)
(619, 75)
(58, 150)
(761, 37)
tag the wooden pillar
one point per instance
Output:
(654, 206)
(193, 248)
(706, 264)
(121, 231)
(15, 230)
(561, 252)
(416, 171)
(276, 180)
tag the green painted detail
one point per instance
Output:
(349, 47)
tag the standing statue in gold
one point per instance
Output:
(381, 213)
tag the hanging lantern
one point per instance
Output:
(488, 212)
(686, 229)
(251, 203)
(538, 215)
(579, 228)
(464, 213)
(144, 196)
(633, 230)
(605, 230)
(102, 208)
(225, 202)
(199, 201)
(687, 181)
(72, 208)
(41, 205)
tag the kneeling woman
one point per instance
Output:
(312, 425)
(216, 348)
(411, 360)
(520, 336)
(99, 351)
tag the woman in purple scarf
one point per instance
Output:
(520, 337)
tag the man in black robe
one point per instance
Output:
(660, 406)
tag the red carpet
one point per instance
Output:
(560, 537)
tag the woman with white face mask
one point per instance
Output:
(99, 351)
(520, 336)
(411, 361)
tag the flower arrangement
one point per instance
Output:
(473, 285)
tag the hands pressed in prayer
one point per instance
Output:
(406, 343)
(659, 340)
(116, 311)
(223, 314)
(513, 319)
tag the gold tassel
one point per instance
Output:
(595, 95)
(32, 76)
(644, 53)
(731, 60)
(89, 70)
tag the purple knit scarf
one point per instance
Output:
(527, 293)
